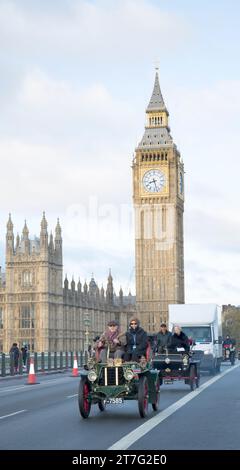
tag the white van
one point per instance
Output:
(202, 323)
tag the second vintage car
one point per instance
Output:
(178, 366)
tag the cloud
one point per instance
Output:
(215, 233)
(58, 143)
(122, 30)
(53, 110)
(211, 279)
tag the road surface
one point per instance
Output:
(46, 416)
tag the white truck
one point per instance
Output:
(202, 323)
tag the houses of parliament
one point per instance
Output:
(40, 309)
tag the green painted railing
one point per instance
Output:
(43, 362)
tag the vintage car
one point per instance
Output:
(178, 366)
(116, 381)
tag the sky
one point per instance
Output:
(75, 79)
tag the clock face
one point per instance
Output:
(153, 181)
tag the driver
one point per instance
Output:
(178, 340)
(229, 341)
(112, 342)
(163, 338)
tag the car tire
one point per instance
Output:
(198, 379)
(192, 379)
(102, 405)
(84, 402)
(143, 396)
(155, 405)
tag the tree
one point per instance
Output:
(231, 322)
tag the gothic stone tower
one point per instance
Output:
(34, 296)
(158, 195)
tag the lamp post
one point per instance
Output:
(86, 325)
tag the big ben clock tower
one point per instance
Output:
(158, 194)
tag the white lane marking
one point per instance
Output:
(27, 387)
(12, 389)
(13, 414)
(140, 431)
(71, 396)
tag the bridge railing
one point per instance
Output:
(43, 362)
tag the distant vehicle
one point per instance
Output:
(229, 352)
(202, 323)
(178, 366)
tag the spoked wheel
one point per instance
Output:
(192, 379)
(84, 402)
(155, 405)
(143, 396)
(102, 405)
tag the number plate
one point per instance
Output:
(114, 401)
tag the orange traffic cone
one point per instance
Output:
(31, 375)
(75, 368)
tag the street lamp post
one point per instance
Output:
(86, 325)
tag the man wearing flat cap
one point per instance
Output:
(163, 338)
(112, 342)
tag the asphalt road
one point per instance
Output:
(46, 416)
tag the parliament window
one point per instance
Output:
(26, 316)
(27, 278)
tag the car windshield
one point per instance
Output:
(200, 334)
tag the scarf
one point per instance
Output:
(111, 335)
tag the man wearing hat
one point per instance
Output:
(112, 342)
(163, 338)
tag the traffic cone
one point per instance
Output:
(31, 375)
(75, 368)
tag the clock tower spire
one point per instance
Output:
(158, 196)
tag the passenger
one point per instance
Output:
(178, 340)
(137, 341)
(163, 338)
(111, 343)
